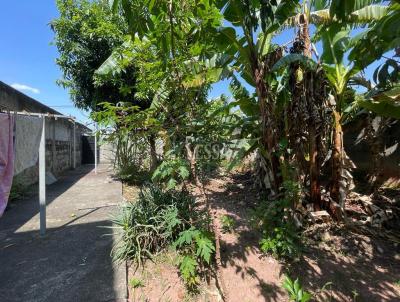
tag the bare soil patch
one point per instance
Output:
(337, 264)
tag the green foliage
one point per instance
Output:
(86, 33)
(381, 37)
(132, 157)
(302, 60)
(384, 98)
(295, 290)
(281, 242)
(136, 283)
(158, 219)
(196, 247)
(151, 222)
(228, 223)
(274, 219)
(171, 172)
(188, 270)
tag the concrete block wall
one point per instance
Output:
(107, 153)
(59, 135)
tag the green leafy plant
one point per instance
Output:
(152, 222)
(188, 269)
(274, 219)
(281, 243)
(171, 172)
(228, 223)
(136, 283)
(295, 290)
(196, 246)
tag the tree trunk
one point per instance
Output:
(313, 136)
(153, 153)
(337, 163)
(315, 190)
(268, 134)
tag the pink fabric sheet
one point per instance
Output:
(6, 158)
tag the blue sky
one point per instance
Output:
(26, 56)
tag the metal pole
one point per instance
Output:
(74, 146)
(95, 150)
(42, 178)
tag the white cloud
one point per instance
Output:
(25, 87)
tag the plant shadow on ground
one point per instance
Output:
(248, 276)
(359, 267)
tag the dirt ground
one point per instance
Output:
(335, 265)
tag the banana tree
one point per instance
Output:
(252, 56)
(307, 119)
(333, 21)
(336, 42)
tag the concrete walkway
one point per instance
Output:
(72, 262)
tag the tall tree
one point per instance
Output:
(86, 33)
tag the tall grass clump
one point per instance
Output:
(152, 222)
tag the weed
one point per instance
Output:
(151, 223)
(136, 283)
(279, 235)
(295, 291)
(228, 223)
(281, 243)
(196, 247)
(171, 172)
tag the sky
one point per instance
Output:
(27, 58)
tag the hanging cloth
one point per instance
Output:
(28, 131)
(6, 158)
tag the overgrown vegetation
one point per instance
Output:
(288, 106)
(152, 222)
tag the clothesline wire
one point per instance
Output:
(38, 114)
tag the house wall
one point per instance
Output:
(360, 152)
(59, 135)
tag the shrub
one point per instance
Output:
(274, 220)
(196, 246)
(152, 222)
(171, 172)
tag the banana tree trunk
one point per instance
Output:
(268, 135)
(315, 189)
(337, 163)
(313, 137)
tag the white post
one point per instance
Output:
(95, 150)
(42, 178)
(74, 146)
